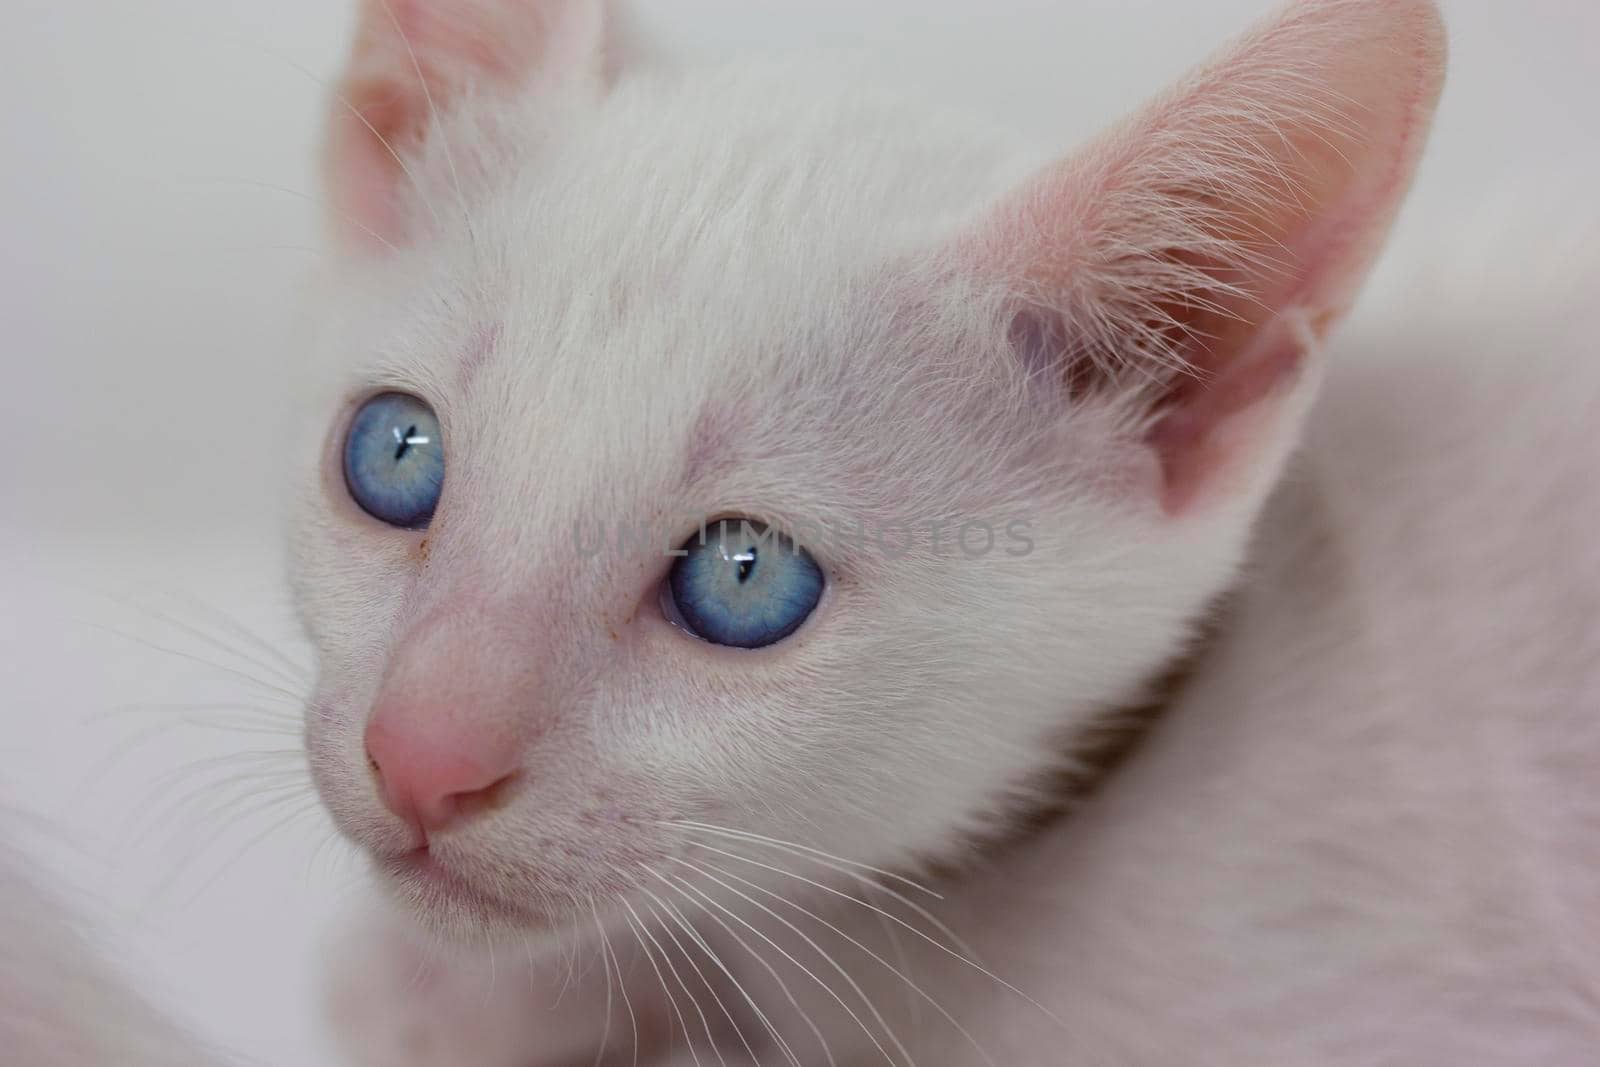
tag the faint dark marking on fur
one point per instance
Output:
(1092, 753)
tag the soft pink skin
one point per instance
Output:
(538, 722)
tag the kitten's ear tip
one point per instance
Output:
(1425, 21)
(1433, 44)
(1411, 30)
(411, 60)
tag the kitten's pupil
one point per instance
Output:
(406, 440)
(747, 564)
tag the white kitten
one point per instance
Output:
(582, 290)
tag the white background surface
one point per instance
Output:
(155, 230)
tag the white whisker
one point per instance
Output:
(605, 1034)
(244, 790)
(569, 977)
(826, 988)
(488, 994)
(97, 771)
(276, 773)
(797, 847)
(284, 717)
(899, 949)
(344, 102)
(283, 674)
(861, 879)
(912, 986)
(666, 958)
(301, 671)
(224, 668)
(694, 939)
(622, 984)
(631, 919)
(287, 191)
(242, 850)
(941, 946)
(783, 1045)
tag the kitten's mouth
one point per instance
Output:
(433, 886)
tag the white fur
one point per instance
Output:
(1357, 836)
(743, 290)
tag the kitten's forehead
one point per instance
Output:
(650, 274)
(714, 210)
(723, 180)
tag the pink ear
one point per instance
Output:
(411, 60)
(1209, 242)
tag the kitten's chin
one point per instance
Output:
(446, 901)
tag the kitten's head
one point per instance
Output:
(1021, 421)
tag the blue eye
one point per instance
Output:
(746, 586)
(394, 460)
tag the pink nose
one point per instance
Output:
(432, 779)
